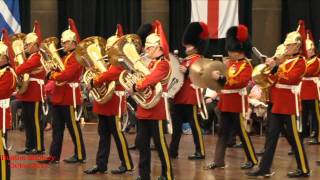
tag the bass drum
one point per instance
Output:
(176, 78)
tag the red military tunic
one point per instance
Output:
(34, 68)
(309, 87)
(239, 75)
(160, 71)
(7, 87)
(110, 108)
(187, 94)
(62, 94)
(289, 73)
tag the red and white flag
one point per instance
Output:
(220, 15)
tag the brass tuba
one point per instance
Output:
(90, 53)
(125, 51)
(18, 49)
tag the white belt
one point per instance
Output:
(41, 83)
(311, 79)
(200, 102)
(242, 92)
(74, 85)
(4, 104)
(233, 91)
(120, 94)
(295, 89)
(165, 96)
(316, 81)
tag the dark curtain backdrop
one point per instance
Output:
(99, 17)
(180, 15)
(307, 10)
(25, 15)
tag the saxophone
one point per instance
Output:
(18, 49)
(90, 53)
(125, 52)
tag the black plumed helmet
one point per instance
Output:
(144, 30)
(238, 39)
(197, 35)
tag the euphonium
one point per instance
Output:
(125, 51)
(18, 49)
(51, 60)
(91, 54)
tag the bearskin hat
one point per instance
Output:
(238, 39)
(197, 35)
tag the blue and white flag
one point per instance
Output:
(10, 16)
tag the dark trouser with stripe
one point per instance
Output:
(276, 124)
(310, 108)
(65, 115)
(207, 123)
(154, 129)
(181, 113)
(111, 125)
(137, 132)
(229, 121)
(33, 125)
(5, 161)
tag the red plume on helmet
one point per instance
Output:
(73, 28)
(163, 40)
(37, 30)
(302, 31)
(6, 40)
(119, 32)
